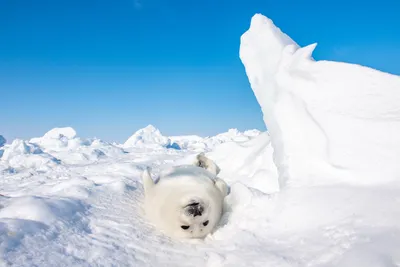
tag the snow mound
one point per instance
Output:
(57, 133)
(22, 154)
(64, 144)
(2, 141)
(30, 224)
(149, 137)
(58, 139)
(328, 121)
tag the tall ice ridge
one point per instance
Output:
(328, 121)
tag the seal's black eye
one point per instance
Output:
(185, 227)
(205, 223)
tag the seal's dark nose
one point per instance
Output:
(195, 209)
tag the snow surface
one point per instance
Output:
(321, 188)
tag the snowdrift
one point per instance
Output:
(249, 162)
(329, 121)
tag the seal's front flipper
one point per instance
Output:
(203, 162)
(148, 182)
(222, 186)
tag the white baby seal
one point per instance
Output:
(187, 201)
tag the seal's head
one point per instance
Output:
(185, 203)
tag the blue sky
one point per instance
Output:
(108, 68)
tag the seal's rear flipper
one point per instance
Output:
(148, 182)
(203, 162)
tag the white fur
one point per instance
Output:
(166, 202)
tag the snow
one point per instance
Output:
(149, 136)
(65, 145)
(197, 143)
(57, 133)
(250, 163)
(320, 188)
(21, 154)
(346, 117)
(42, 210)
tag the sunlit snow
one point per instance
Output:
(320, 188)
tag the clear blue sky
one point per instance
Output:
(108, 68)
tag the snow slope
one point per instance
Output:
(68, 201)
(250, 162)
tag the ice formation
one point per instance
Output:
(151, 137)
(22, 154)
(328, 120)
(148, 136)
(57, 133)
(198, 143)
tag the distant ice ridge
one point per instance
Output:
(64, 145)
(58, 144)
(328, 121)
(198, 143)
(151, 137)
